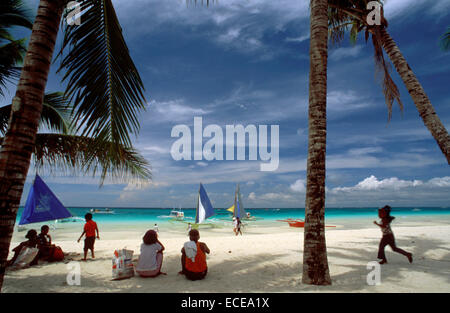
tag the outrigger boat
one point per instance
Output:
(204, 209)
(238, 209)
(298, 222)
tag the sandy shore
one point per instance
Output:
(264, 259)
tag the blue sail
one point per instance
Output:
(239, 210)
(204, 207)
(42, 205)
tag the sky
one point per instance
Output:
(246, 62)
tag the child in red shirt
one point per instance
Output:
(89, 229)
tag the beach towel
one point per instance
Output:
(190, 248)
(26, 256)
(122, 266)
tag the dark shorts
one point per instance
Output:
(194, 275)
(89, 243)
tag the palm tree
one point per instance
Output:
(315, 263)
(344, 14)
(102, 83)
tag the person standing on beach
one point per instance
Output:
(189, 228)
(155, 228)
(388, 236)
(193, 257)
(238, 226)
(89, 229)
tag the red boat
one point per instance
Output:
(297, 222)
(294, 222)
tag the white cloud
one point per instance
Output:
(173, 110)
(298, 186)
(298, 39)
(372, 183)
(345, 52)
(252, 196)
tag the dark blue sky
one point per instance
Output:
(247, 62)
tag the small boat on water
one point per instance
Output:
(298, 222)
(102, 211)
(294, 222)
(177, 214)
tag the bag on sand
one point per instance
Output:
(26, 256)
(122, 266)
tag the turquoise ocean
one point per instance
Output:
(133, 216)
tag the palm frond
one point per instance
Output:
(55, 114)
(390, 89)
(445, 40)
(14, 13)
(71, 154)
(102, 81)
(11, 55)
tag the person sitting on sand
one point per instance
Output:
(48, 251)
(45, 245)
(150, 260)
(30, 243)
(388, 235)
(89, 229)
(193, 257)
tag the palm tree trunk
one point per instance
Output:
(315, 263)
(18, 143)
(415, 89)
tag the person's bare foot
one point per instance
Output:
(409, 256)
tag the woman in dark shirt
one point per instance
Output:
(388, 235)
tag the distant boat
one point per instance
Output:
(73, 219)
(297, 222)
(238, 209)
(42, 205)
(177, 214)
(102, 211)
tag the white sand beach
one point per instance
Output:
(264, 259)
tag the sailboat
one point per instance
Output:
(42, 205)
(238, 209)
(204, 208)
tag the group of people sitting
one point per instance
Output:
(193, 256)
(41, 246)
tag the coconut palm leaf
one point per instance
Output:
(69, 154)
(11, 54)
(14, 13)
(102, 81)
(350, 16)
(445, 40)
(55, 114)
